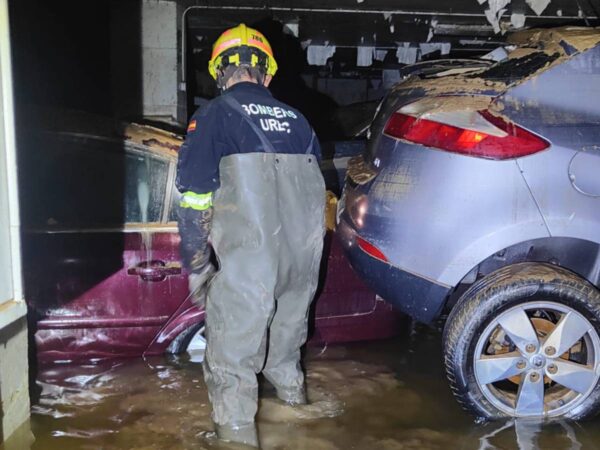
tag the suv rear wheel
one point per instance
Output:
(525, 342)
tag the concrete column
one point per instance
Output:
(14, 391)
(144, 58)
(159, 58)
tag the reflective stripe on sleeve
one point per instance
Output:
(199, 202)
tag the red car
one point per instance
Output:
(103, 276)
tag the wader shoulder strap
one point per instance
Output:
(309, 149)
(231, 101)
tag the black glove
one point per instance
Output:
(194, 229)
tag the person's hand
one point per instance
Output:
(198, 283)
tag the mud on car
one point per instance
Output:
(478, 200)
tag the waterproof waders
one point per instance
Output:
(267, 233)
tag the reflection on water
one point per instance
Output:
(388, 395)
(534, 435)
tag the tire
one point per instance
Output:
(501, 356)
(184, 343)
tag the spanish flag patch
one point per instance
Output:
(192, 126)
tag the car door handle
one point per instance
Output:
(154, 270)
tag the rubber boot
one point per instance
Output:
(292, 397)
(240, 433)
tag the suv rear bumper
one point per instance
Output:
(412, 294)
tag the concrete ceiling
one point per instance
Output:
(385, 23)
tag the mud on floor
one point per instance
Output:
(388, 395)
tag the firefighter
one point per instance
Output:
(249, 178)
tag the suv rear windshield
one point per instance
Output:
(516, 69)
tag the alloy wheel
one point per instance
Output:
(537, 359)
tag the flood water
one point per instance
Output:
(385, 395)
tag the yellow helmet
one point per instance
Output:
(242, 45)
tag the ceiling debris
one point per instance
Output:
(497, 5)
(318, 55)
(432, 26)
(495, 10)
(406, 54)
(365, 36)
(364, 56)
(389, 17)
(493, 20)
(292, 29)
(430, 47)
(517, 20)
(380, 54)
(538, 6)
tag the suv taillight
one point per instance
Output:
(371, 250)
(472, 133)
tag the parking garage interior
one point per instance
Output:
(90, 76)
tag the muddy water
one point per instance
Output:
(388, 395)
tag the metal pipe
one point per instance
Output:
(184, 42)
(402, 12)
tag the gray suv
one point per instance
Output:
(479, 199)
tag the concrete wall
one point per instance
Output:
(61, 55)
(6, 136)
(14, 388)
(14, 392)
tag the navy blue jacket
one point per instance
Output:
(217, 130)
